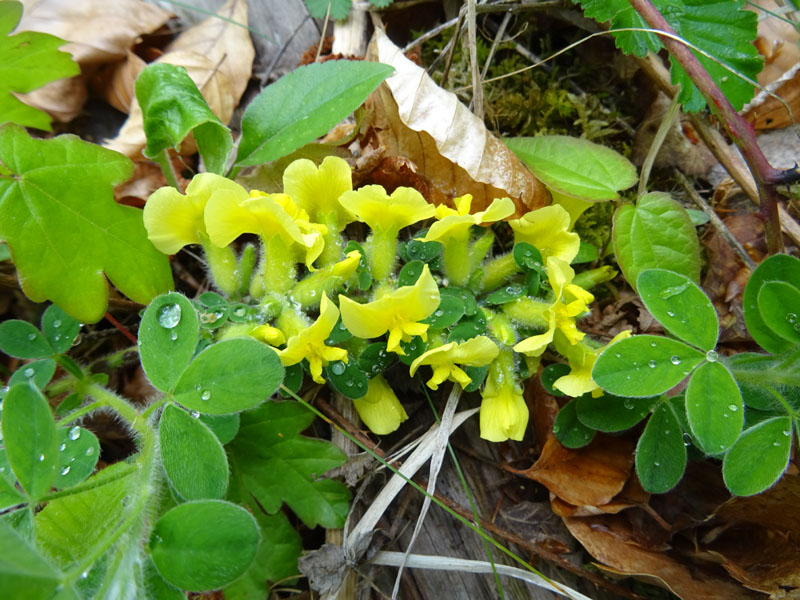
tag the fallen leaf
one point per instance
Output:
(99, 32)
(218, 55)
(584, 477)
(612, 541)
(451, 148)
(115, 82)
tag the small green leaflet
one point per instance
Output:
(275, 464)
(339, 8)
(28, 60)
(58, 215)
(722, 28)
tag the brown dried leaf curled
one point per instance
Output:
(452, 149)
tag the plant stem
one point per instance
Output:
(163, 161)
(766, 176)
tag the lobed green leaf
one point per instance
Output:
(303, 105)
(58, 215)
(656, 233)
(680, 306)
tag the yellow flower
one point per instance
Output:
(264, 333)
(581, 358)
(310, 344)
(379, 408)
(308, 291)
(397, 313)
(317, 190)
(548, 230)
(174, 220)
(504, 413)
(457, 223)
(373, 206)
(474, 352)
(570, 301)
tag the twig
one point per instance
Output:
(472, 39)
(666, 124)
(766, 177)
(716, 222)
(498, 37)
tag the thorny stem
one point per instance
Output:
(767, 177)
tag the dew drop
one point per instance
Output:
(776, 444)
(652, 364)
(349, 383)
(675, 360)
(169, 316)
(556, 428)
(338, 368)
(656, 464)
(618, 355)
(438, 312)
(29, 372)
(173, 335)
(85, 574)
(41, 458)
(628, 403)
(733, 407)
(195, 414)
(674, 290)
(712, 356)
(65, 470)
(628, 377)
(31, 336)
(57, 323)
(2, 469)
(206, 395)
(240, 311)
(89, 451)
(666, 432)
(653, 344)
(670, 313)
(787, 432)
(62, 447)
(74, 433)
(726, 415)
(791, 318)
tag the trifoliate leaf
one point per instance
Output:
(319, 8)
(721, 28)
(275, 464)
(58, 215)
(28, 60)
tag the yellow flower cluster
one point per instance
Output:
(305, 266)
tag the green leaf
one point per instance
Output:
(157, 587)
(644, 365)
(59, 328)
(9, 494)
(29, 434)
(427, 252)
(660, 453)
(275, 464)
(759, 457)
(276, 559)
(611, 413)
(507, 293)
(721, 28)
(680, 306)
(192, 555)
(586, 253)
(192, 456)
(698, 217)
(779, 305)
(527, 257)
(167, 339)
(656, 233)
(78, 451)
(714, 407)
(451, 308)
(69, 528)
(230, 376)
(575, 167)
(23, 340)
(28, 60)
(374, 359)
(569, 430)
(24, 573)
(549, 376)
(224, 427)
(410, 272)
(38, 372)
(304, 105)
(780, 267)
(173, 107)
(57, 212)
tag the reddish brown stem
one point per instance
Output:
(766, 176)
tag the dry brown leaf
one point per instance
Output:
(99, 32)
(451, 148)
(210, 66)
(115, 82)
(613, 542)
(587, 477)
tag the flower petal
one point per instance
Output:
(317, 190)
(380, 211)
(172, 220)
(503, 415)
(548, 230)
(379, 408)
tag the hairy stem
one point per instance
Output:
(766, 176)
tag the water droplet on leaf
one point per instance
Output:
(57, 323)
(65, 470)
(712, 356)
(675, 360)
(29, 372)
(169, 315)
(31, 336)
(338, 367)
(74, 433)
(733, 407)
(206, 395)
(652, 364)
